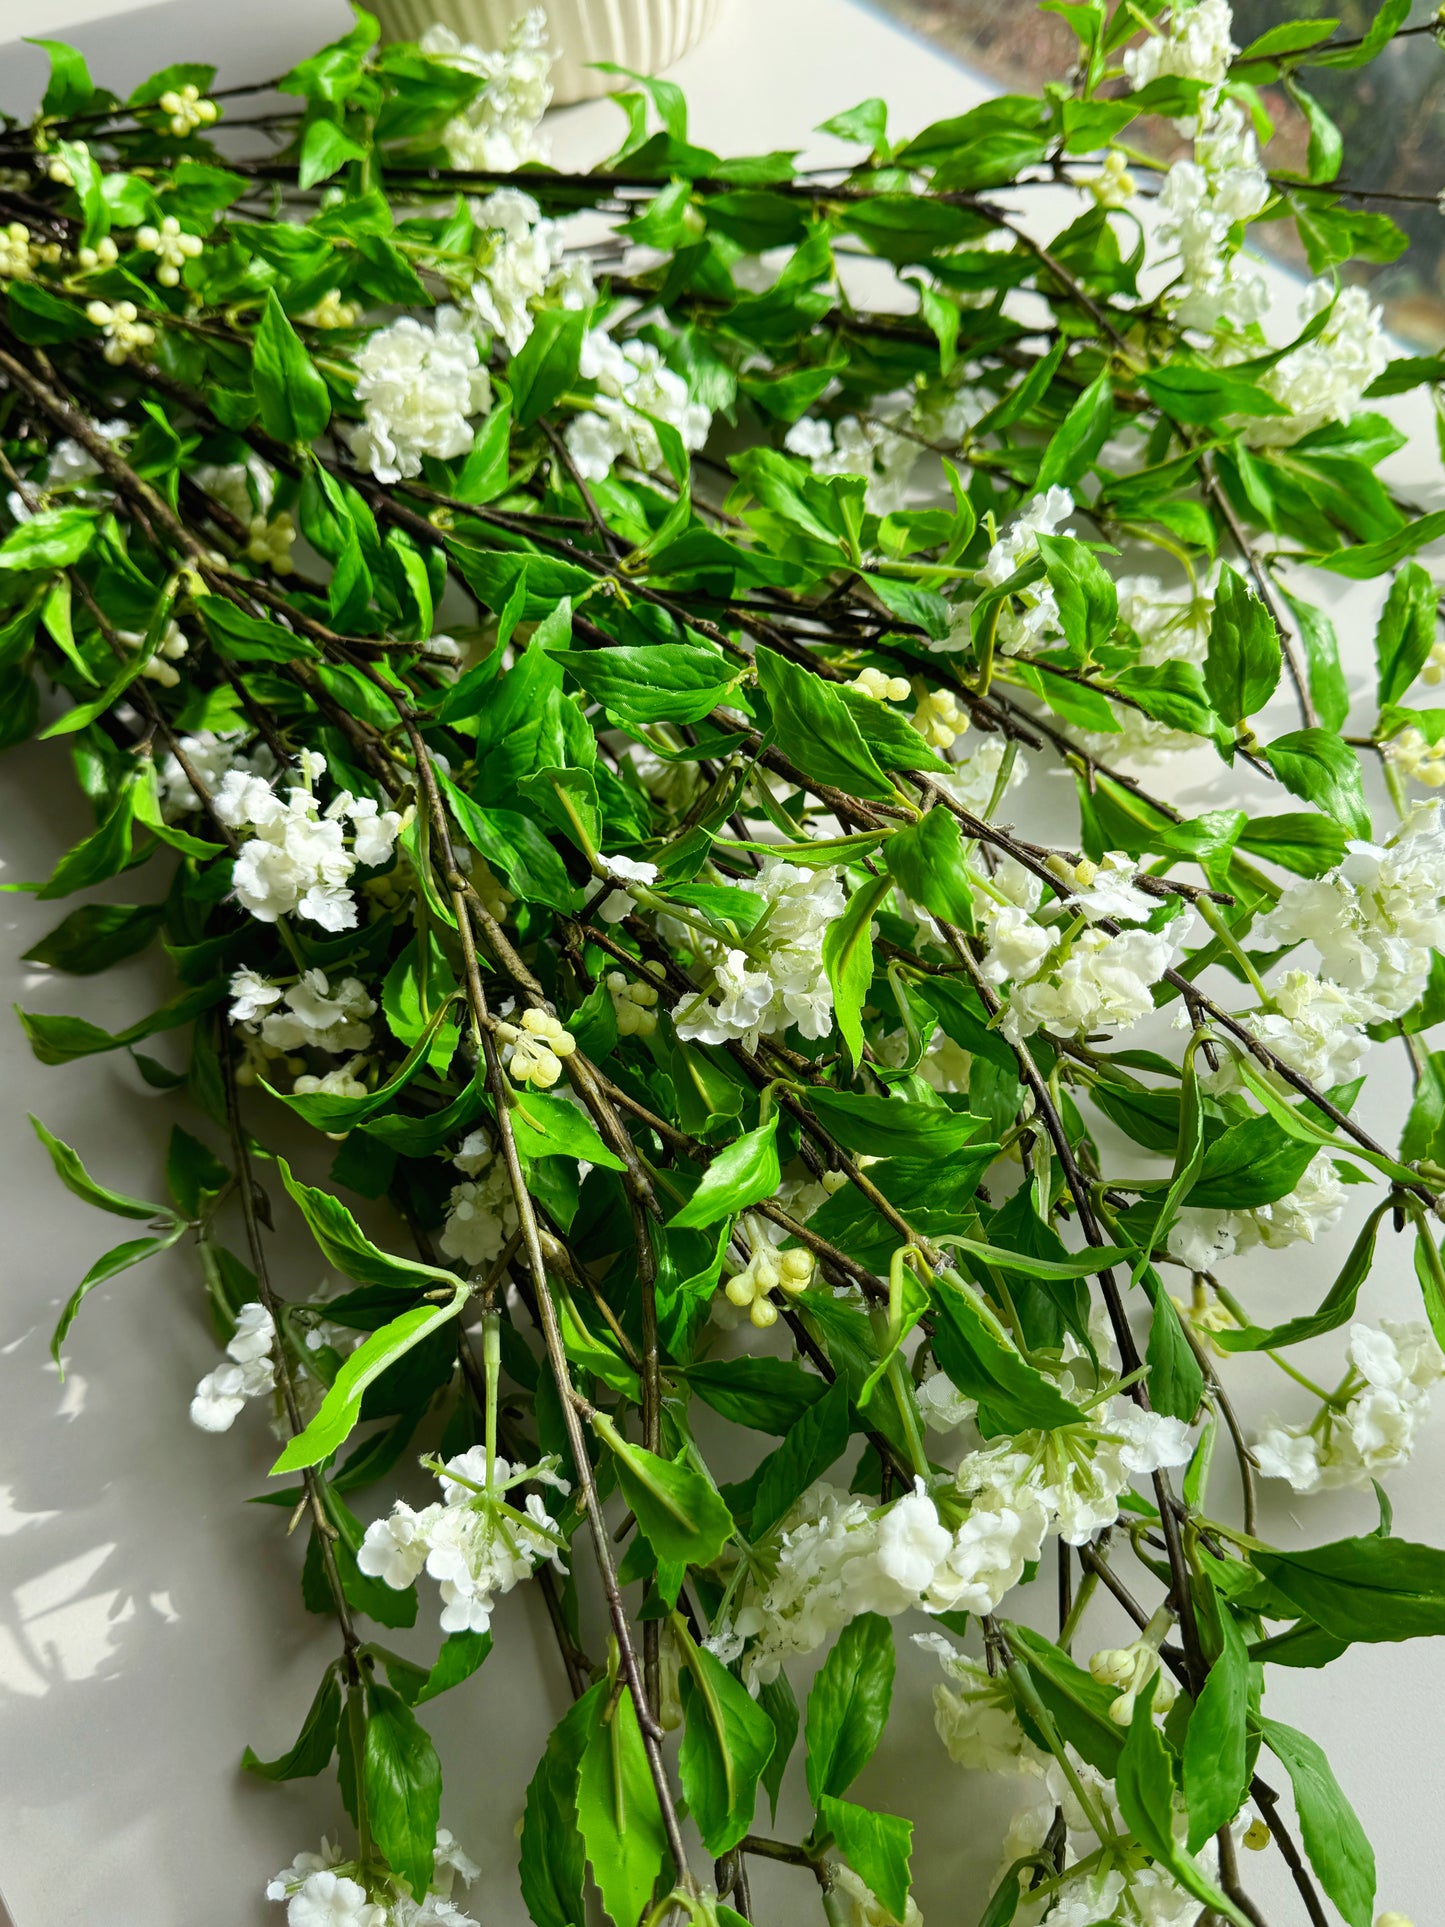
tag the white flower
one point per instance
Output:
(976, 1718)
(855, 1905)
(911, 1543)
(476, 1544)
(297, 860)
(633, 383)
(1002, 1533)
(249, 1371)
(211, 756)
(312, 1014)
(1200, 1238)
(1315, 1027)
(1197, 47)
(1105, 889)
(524, 266)
(501, 129)
(420, 387)
(480, 1216)
(251, 995)
(807, 1599)
(943, 1406)
(1201, 204)
(1281, 1452)
(332, 1900)
(854, 447)
(1325, 380)
(1019, 632)
(790, 986)
(624, 870)
(1104, 982)
(1151, 1441)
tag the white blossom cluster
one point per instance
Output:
(420, 386)
(249, 1371)
(481, 1211)
(1325, 379)
(211, 754)
(853, 447)
(1201, 1239)
(1370, 1427)
(837, 1557)
(1202, 204)
(780, 978)
(1169, 629)
(501, 130)
(1068, 975)
(633, 384)
(321, 1890)
(310, 1014)
(297, 859)
(475, 1544)
(526, 265)
(1021, 630)
(1198, 45)
(1374, 921)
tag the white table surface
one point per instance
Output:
(149, 1619)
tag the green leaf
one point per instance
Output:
(403, 1780)
(973, 1348)
(678, 1509)
(1339, 1851)
(345, 1245)
(811, 1445)
(617, 1807)
(547, 365)
(1337, 1305)
(341, 1408)
(1216, 1762)
(96, 936)
(742, 1173)
(1176, 1380)
(1144, 1783)
(74, 1176)
(671, 682)
(315, 1743)
(888, 1127)
(295, 402)
(764, 1394)
(459, 1658)
(245, 638)
(1242, 664)
(70, 89)
(1368, 559)
(550, 1127)
(1370, 1590)
(1191, 393)
(1171, 692)
(814, 726)
(1319, 766)
(552, 1860)
(848, 960)
(1322, 654)
(194, 1174)
(1405, 632)
(1076, 1702)
(725, 1748)
(53, 539)
(1077, 440)
(926, 861)
(1088, 601)
(119, 1258)
(848, 1705)
(325, 149)
(876, 1846)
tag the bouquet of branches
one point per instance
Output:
(559, 656)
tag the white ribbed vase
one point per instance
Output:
(645, 35)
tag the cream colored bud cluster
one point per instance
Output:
(270, 541)
(174, 246)
(939, 719)
(125, 333)
(171, 647)
(767, 1271)
(104, 254)
(17, 260)
(1115, 186)
(330, 312)
(187, 109)
(883, 689)
(538, 1048)
(1131, 1668)
(634, 1005)
(1413, 754)
(57, 169)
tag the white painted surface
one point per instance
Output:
(149, 1619)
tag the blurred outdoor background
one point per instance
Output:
(1392, 115)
